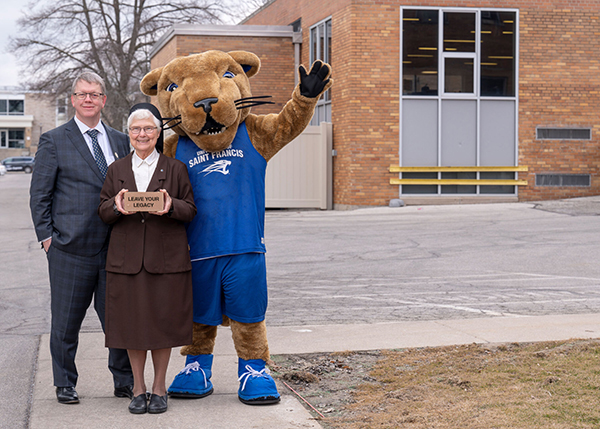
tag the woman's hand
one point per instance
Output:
(119, 202)
(168, 203)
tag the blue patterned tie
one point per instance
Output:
(98, 155)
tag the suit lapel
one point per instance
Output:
(160, 175)
(111, 135)
(74, 135)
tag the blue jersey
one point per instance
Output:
(229, 192)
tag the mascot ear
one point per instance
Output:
(249, 61)
(149, 84)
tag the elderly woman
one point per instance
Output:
(149, 283)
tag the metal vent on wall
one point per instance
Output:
(563, 133)
(562, 180)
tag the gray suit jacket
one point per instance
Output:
(65, 190)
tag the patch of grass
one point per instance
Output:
(509, 386)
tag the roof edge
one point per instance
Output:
(221, 30)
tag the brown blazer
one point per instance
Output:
(158, 243)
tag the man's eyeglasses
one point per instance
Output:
(83, 95)
(136, 130)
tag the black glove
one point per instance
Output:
(312, 84)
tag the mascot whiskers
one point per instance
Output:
(226, 148)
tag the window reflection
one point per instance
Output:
(12, 107)
(498, 53)
(420, 53)
(15, 107)
(459, 32)
(458, 75)
(320, 49)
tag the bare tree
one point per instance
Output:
(241, 9)
(110, 37)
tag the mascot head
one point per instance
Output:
(207, 94)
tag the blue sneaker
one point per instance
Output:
(257, 387)
(194, 380)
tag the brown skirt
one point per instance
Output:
(148, 311)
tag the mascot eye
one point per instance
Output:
(172, 87)
(229, 75)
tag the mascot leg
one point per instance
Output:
(257, 387)
(194, 380)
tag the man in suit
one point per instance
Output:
(71, 164)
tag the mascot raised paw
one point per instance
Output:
(226, 149)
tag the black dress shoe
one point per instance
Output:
(157, 404)
(138, 405)
(67, 395)
(124, 392)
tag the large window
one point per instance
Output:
(420, 56)
(498, 53)
(459, 105)
(459, 52)
(13, 139)
(16, 138)
(12, 107)
(320, 49)
(475, 53)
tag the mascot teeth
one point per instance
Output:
(213, 131)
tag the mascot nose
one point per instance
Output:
(206, 104)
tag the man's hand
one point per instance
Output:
(46, 244)
(313, 82)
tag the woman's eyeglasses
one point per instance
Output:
(137, 130)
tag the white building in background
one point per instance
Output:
(24, 116)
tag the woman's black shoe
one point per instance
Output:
(158, 404)
(138, 405)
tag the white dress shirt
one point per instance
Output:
(102, 140)
(143, 169)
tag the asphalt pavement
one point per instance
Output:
(374, 278)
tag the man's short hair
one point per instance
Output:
(89, 77)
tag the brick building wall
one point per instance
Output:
(43, 109)
(559, 86)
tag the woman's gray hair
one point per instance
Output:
(89, 77)
(143, 114)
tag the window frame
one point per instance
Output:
(476, 96)
(9, 103)
(474, 56)
(20, 142)
(324, 101)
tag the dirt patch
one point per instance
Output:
(326, 380)
(506, 386)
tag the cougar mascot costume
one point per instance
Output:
(226, 150)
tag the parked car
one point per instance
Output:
(19, 163)
(2, 170)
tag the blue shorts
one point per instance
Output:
(235, 286)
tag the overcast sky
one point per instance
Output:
(11, 10)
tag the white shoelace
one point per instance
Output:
(194, 366)
(251, 372)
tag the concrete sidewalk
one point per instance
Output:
(99, 409)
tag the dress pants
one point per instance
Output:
(74, 281)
